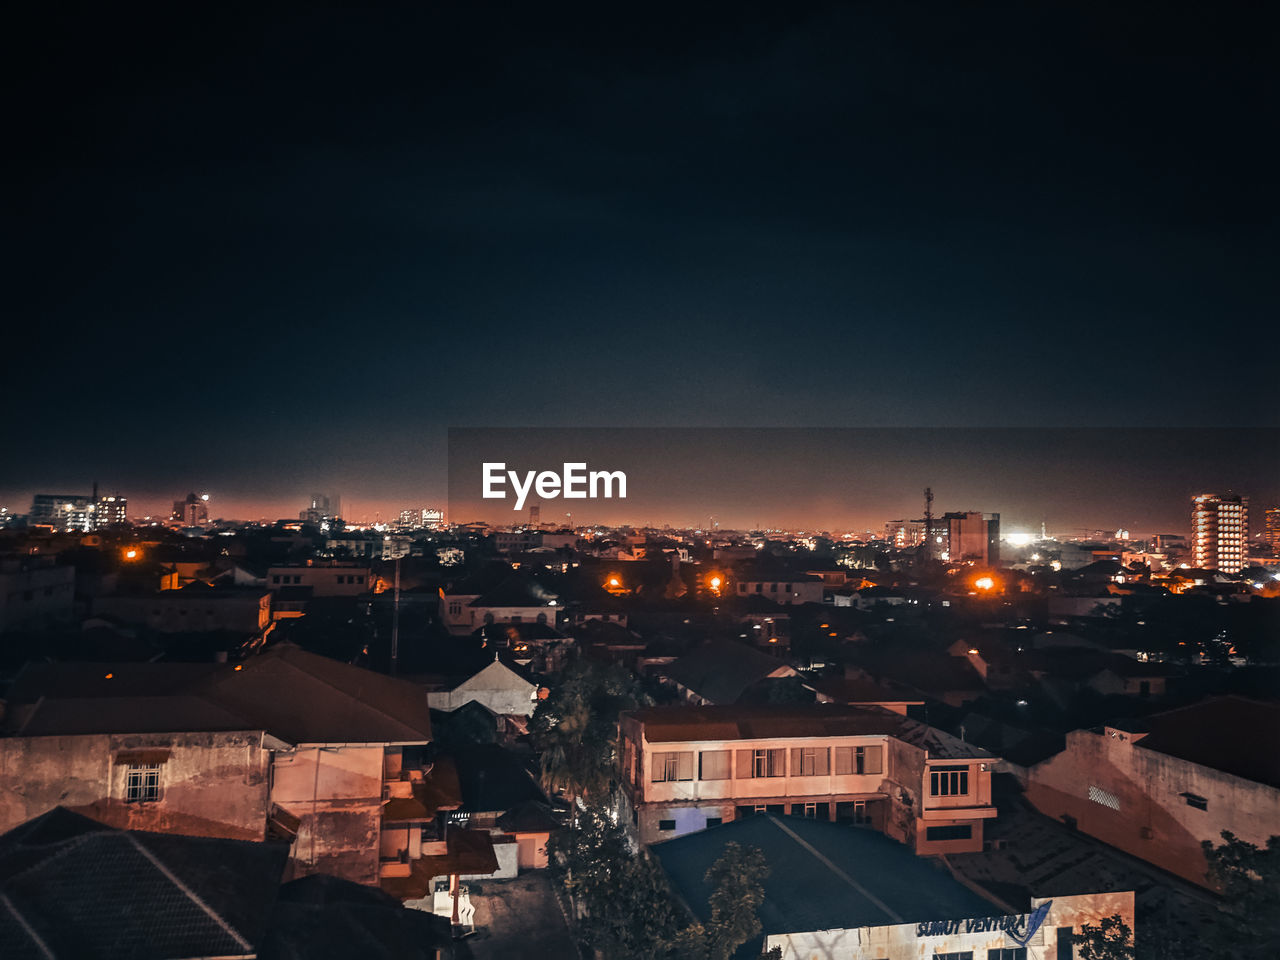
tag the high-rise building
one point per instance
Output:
(63, 511)
(1219, 532)
(971, 536)
(904, 533)
(1271, 532)
(321, 509)
(111, 510)
(192, 511)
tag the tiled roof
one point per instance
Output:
(297, 696)
(74, 888)
(722, 671)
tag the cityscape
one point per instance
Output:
(665, 482)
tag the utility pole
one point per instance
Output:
(395, 623)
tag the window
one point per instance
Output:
(773, 588)
(714, 821)
(1197, 801)
(810, 762)
(949, 781)
(713, 765)
(808, 810)
(666, 825)
(1007, 953)
(673, 766)
(753, 764)
(960, 955)
(860, 760)
(275, 578)
(142, 783)
(1066, 937)
(1104, 797)
(955, 832)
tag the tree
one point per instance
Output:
(576, 728)
(1109, 939)
(737, 877)
(1248, 877)
(624, 907)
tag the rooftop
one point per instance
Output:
(73, 887)
(1235, 735)
(722, 671)
(294, 695)
(823, 876)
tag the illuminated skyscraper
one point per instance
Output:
(1219, 532)
(1271, 532)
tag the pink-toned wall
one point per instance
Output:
(339, 803)
(212, 784)
(1154, 821)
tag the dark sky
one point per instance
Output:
(262, 252)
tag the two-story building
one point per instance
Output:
(783, 590)
(687, 768)
(333, 578)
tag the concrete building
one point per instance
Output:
(837, 892)
(35, 592)
(195, 608)
(516, 599)
(288, 744)
(1219, 532)
(191, 511)
(1159, 788)
(688, 768)
(904, 533)
(62, 511)
(782, 590)
(971, 537)
(334, 578)
(1271, 530)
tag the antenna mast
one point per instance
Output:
(928, 523)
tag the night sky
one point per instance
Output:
(266, 253)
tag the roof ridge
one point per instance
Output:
(194, 897)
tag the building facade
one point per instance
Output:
(1158, 793)
(1219, 532)
(688, 768)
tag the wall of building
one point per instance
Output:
(178, 611)
(35, 595)
(336, 793)
(211, 784)
(334, 580)
(897, 797)
(978, 936)
(1154, 820)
